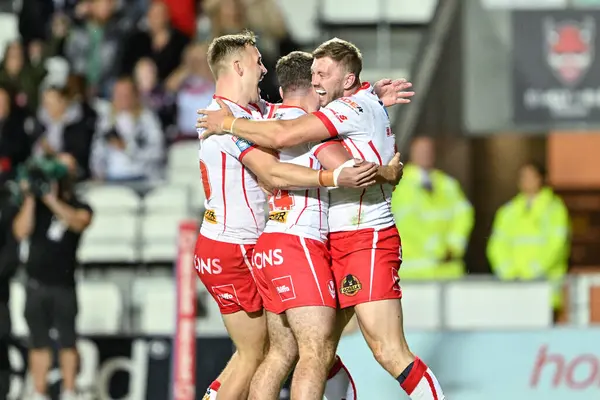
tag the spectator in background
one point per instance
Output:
(222, 17)
(15, 144)
(95, 47)
(17, 74)
(194, 85)
(76, 88)
(35, 17)
(53, 223)
(65, 129)
(434, 218)
(530, 234)
(130, 142)
(154, 96)
(157, 41)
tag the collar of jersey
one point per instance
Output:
(249, 111)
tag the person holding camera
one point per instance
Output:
(9, 261)
(52, 219)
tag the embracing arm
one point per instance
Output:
(332, 154)
(277, 134)
(276, 175)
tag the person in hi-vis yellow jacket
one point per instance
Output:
(530, 234)
(433, 216)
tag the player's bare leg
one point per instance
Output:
(340, 385)
(385, 337)
(211, 392)
(248, 331)
(279, 361)
(314, 329)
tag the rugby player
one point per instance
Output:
(365, 245)
(234, 216)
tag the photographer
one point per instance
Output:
(9, 260)
(52, 219)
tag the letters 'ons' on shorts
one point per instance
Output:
(293, 271)
(365, 265)
(225, 270)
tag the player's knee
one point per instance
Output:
(390, 353)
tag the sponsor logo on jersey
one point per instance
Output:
(340, 117)
(211, 266)
(210, 216)
(331, 288)
(348, 102)
(278, 216)
(242, 144)
(357, 218)
(285, 287)
(226, 295)
(350, 285)
(268, 258)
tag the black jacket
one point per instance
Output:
(15, 144)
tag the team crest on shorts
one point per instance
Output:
(350, 285)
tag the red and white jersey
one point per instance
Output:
(299, 212)
(235, 205)
(362, 123)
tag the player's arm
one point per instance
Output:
(331, 154)
(265, 165)
(272, 134)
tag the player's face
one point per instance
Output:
(254, 71)
(328, 80)
(530, 181)
(313, 102)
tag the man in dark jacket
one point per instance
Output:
(9, 260)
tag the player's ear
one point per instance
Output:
(349, 81)
(280, 92)
(238, 68)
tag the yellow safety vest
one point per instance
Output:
(431, 224)
(530, 240)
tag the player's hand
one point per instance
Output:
(361, 175)
(212, 120)
(398, 167)
(392, 92)
(267, 190)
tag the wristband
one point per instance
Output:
(227, 125)
(338, 171)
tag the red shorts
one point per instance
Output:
(292, 271)
(225, 270)
(365, 265)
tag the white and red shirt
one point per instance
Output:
(301, 212)
(362, 123)
(234, 202)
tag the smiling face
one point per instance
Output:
(336, 69)
(328, 79)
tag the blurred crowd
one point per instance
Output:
(115, 82)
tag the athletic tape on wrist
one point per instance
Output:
(338, 171)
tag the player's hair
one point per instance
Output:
(294, 71)
(342, 52)
(223, 47)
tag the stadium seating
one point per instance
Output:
(114, 232)
(164, 208)
(183, 166)
(155, 299)
(100, 308)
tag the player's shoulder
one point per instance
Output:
(348, 105)
(287, 112)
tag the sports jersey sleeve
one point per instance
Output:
(237, 147)
(341, 117)
(318, 147)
